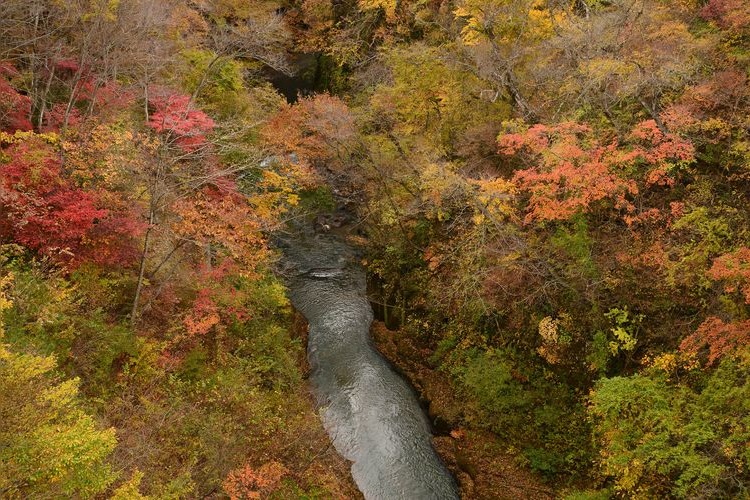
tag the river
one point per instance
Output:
(371, 414)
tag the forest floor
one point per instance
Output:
(478, 459)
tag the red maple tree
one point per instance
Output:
(175, 114)
(49, 214)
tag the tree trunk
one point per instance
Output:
(142, 266)
(43, 98)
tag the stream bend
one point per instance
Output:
(370, 412)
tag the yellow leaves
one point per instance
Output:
(107, 156)
(624, 341)
(49, 443)
(671, 362)
(388, 216)
(629, 476)
(444, 192)
(542, 21)
(5, 302)
(548, 329)
(102, 9)
(61, 395)
(242, 9)
(318, 13)
(275, 293)
(277, 192)
(556, 335)
(388, 6)
(474, 32)
(600, 69)
(50, 138)
(666, 362)
(437, 181)
(426, 93)
(494, 199)
(503, 20)
(129, 489)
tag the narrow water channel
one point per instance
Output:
(370, 412)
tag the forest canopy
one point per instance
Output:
(551, 197)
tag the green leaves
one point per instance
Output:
(49, 445)
(659, 438)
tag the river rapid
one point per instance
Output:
(371, 414)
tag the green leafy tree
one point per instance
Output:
(48, 444)
(660, 438)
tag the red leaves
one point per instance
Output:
(50, 215)
(721, 338)
(15, 108)
(42, 211)
(174, 114)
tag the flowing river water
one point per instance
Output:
(371, 414)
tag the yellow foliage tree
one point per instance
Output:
(49, 446)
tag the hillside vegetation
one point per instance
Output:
(553, 198)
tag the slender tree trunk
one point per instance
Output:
(654, 114)
(71, 102)
(508, 81)
(145, 98)
(43, 97)
(142, 266)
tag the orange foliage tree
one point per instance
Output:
(247, 482)
(317, 129)
(570, 170)
(734, 269)
(719, 337)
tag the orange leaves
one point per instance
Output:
(721, 338)
(662, 151)
(316, 129)
(211, 217)
(204, 314)
(711, 113)
(572, 171)
(734, 270)
(246, 482)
